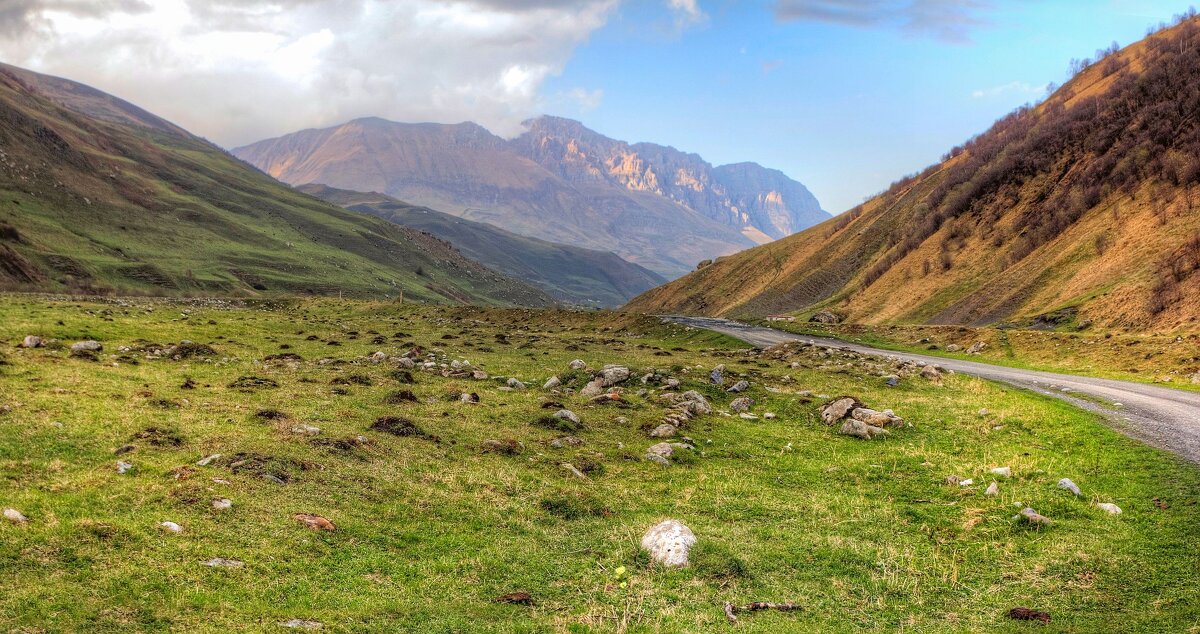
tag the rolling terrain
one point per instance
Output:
(571, 274)
(652, 205)
(97, 195)
(1079, 211)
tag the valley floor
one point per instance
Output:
(463, 503)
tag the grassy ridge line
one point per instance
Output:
(866, 534)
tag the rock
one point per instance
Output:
(984, 411)
(301, 624)
(1103, 506)
(378, 357)
(222, 562)
(694, 403)
(614, 374)
(672, 384)
(86, 346)
(593, 389)
(171, 527)
(879, 419)
(859, 429)
(222, 504)
(306, 430)
(993, 489)
(578, 364)
(1066, 483)
(34, 341)
(954, 347)
(1033, 517)
(15, 516)
(566, 441)
(566, 414)
(717, 376)
(314, 522)
(123, 467)
(826, 317)
(769, 415)
(573, 470)
(742, 404)
(740, 386)
(1003, 471)
(662, 450)
(515, 384)
(552, 383)
(666, 430)
(966, 483)
(479, 375)
(953, 479)
(977, 347)
(891, 380)
(207, 460)
(468, 397)
(668, 543)
(1196, 378)
(931, 373)
(405, 362)
(838, 409)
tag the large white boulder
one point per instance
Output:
(669, 542)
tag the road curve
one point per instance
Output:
(1165, 418)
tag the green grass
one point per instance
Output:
(866, 535)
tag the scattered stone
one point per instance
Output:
(1033, 517)
(34, 341)
(306, 430)
(966, 483)
(15, 516)
(573, 470)
(953, 479)
(479, 375)
(378, 357)
(825, 317)
(740, 386)
(1003, 471)
(222, 562)
(879, 419)
(666, 430)
(207, 460)
(1109, 507)
(838, 409)
(123, 467)
(954, 347)
(1028, 614)
(566, 414)
(977, 347)
(552, 383)
(931, 373)
(742, 404)
(593, 389)
(515, 384)
(470, 397)
(578, 364)
(506, 446)
(614, 374)
(301, 624)
(314, 522)
(1066, 483)
(891, 380)
(695, 403)
(717, 376)
(668, 543)
(993, 489)
(86, 346)
(222, 504)
(769, 415)
(404, 362)
(566, 441)
(171, 527)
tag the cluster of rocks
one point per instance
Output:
(857, 419)
(682, 408)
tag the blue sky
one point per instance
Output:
(844, 106)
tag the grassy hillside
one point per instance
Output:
(99, 196)
(1085, 203)
(433, 527)
(572, 274)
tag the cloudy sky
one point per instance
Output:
(843, 95)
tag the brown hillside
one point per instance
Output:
(1085, 203)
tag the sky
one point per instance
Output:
(845, 96)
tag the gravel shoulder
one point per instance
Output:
(1165, 418)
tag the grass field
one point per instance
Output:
(431, 529)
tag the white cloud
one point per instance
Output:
(1018, 87)
(240, 70)
(947, 20)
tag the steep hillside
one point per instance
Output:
(99, 195)
(561, 182)
(572, 274)
(1084, 206)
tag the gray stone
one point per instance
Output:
(593, 389)
(207, 460)
(404, 362)
(578, 364)
(1109, 507)
(717, 376)
(614, 374)
(552, 383)
(566, 414)
(378, 357)
(993, 489)
(666, 430)
(669, 543)
(742, 404)
(931, 373)
(954, 347)
(87, 346)
(566, 441)
(740, 386)
(836, 410)
(222, 504)
(1003, 471)
(301, 624)
(34, 341)
(15, 516)
(891, 380)
(123, 467)
(1033, 517)
(878, 419)
(515, 384)
(694, 403)
(306, 430)
(1066, 483)
(859, 429)
(222, 562)
(977, 347)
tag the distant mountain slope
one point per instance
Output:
(99, 195)
(1084, 207)
(559, 181)
(573, 274)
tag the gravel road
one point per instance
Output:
(1159, 416)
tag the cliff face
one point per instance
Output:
(559, 181)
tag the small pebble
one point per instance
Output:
(123, 467)
(1110, 507)
(1066, 483)
(222, 504)
(171, 527)
(13, 515)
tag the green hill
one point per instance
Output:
(573, 274)
(97, 195)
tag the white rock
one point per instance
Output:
(123, 467)
(1110, 507)
(552, 383)
(222, 562)
(669, 542)
(1066, 483)
(993, 489)
(966, 483)
(306, 430)
(171, 527)
(378, 357)
(1003, 471)
(301, 624)
(222, 504)
(13, 515)
(614, 374)
(769, 415)
(515, 384)
(566, 414)
(578, 364)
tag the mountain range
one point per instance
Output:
(98, 195)
(573, 275)
(559, 181)
(1081, 209)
